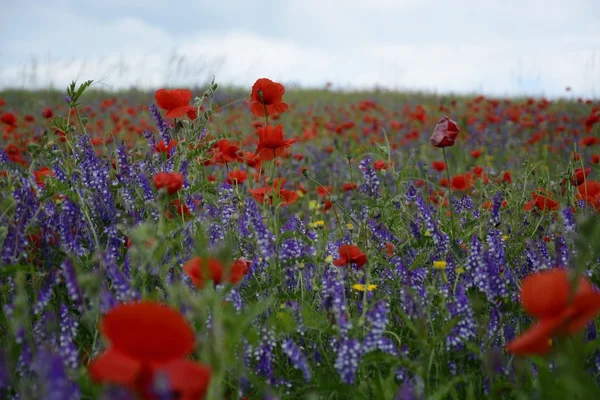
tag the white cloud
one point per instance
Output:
(513, 47)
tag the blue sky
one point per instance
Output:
(495, 47)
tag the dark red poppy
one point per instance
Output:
(541, 199)
(237, 177)
(350, 254)
(595, 159)
(439, 166)
(271, 142)
(147, 339)
(389, 249)
(589, 141)
(29, 118)
(580, 175)
(252, 160)
(476, 153)
(9, 119)
(176, 102)
(444, 133)
(180, 208)
(170, 181)
(507, 177)
(548, 296)
(267, 96)
(201, 269)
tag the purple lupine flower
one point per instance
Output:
(45, 293)
(466, 328)
(264, 356)
(70, 277)
(107, 300)
(544, 253)
(149, 136)
(495, 214)
(162, 126)
(125, 171)
(3, 157)
(24, 361)
(183, 170)
(264, 237)
(216, 235)
(371, 185)
(297, 316)
(55, 384)
(476, 267)
(568, 219)
(296, 357)
(377, 317)
(68, 331)
(234, 297)
(59, 173)
(349, 353)
(409, 391)
(70, 221)
(120, 284)
(561, 250)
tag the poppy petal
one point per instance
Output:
(179, 111)
(115, 367)
(148, 331)
(587, 306)
(534, 341)
(188, 379)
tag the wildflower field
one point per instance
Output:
(271, 244)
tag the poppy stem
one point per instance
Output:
(449, 191)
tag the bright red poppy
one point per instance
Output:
(271, 142)
(170, 181)
(348, 186)
(267, 96)
(439, 166)
(589, 191)
(147, 339)
(237, 177)
(201, 269)
(324, 191)
(461, 182)
(269, 193)
(444, 133)
(161, 147)
(224, 152)
(541, 199)
(476, 153)
(350, 254)
(41, 175)
(548, 296)
(176, 102)
(379, 165)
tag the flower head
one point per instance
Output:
(176, 102)
(267, 98)
(444, 133)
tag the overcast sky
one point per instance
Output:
(490, 46)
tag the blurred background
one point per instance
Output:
(510, 47)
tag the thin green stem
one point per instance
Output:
(449, 192)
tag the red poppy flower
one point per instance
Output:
(580, 175)
(271, 142)
(9, 119)
(202, 269)
(323, 191)
(267, 96)
(475, 153)
(224, 152)
(389, 249)
(547, 296)
(41, 175)
(507, 177)
(350, 254)
(595, 159)
(589, 141)
(180, 208)
(589, 191)
(161, 147)
(176, 102)
(29, 118)
(236, 177)
(146, 339)
(541, 199)
(170, 181)
(348, 186)
(439, 166)
(379, 165)
(251, 160)
(461, 182)
(444, 133)
(268, 193)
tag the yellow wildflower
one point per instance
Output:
(460, 270)
(439, 264)
(320, 223)
(361, 288)
(427, 233)
(313, 205)
(328, 259)
(300, 193)
(505, 237)
(350, 226)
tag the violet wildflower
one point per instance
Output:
(349, 353)
(162, 126)
(377, 317)
(296, 357)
